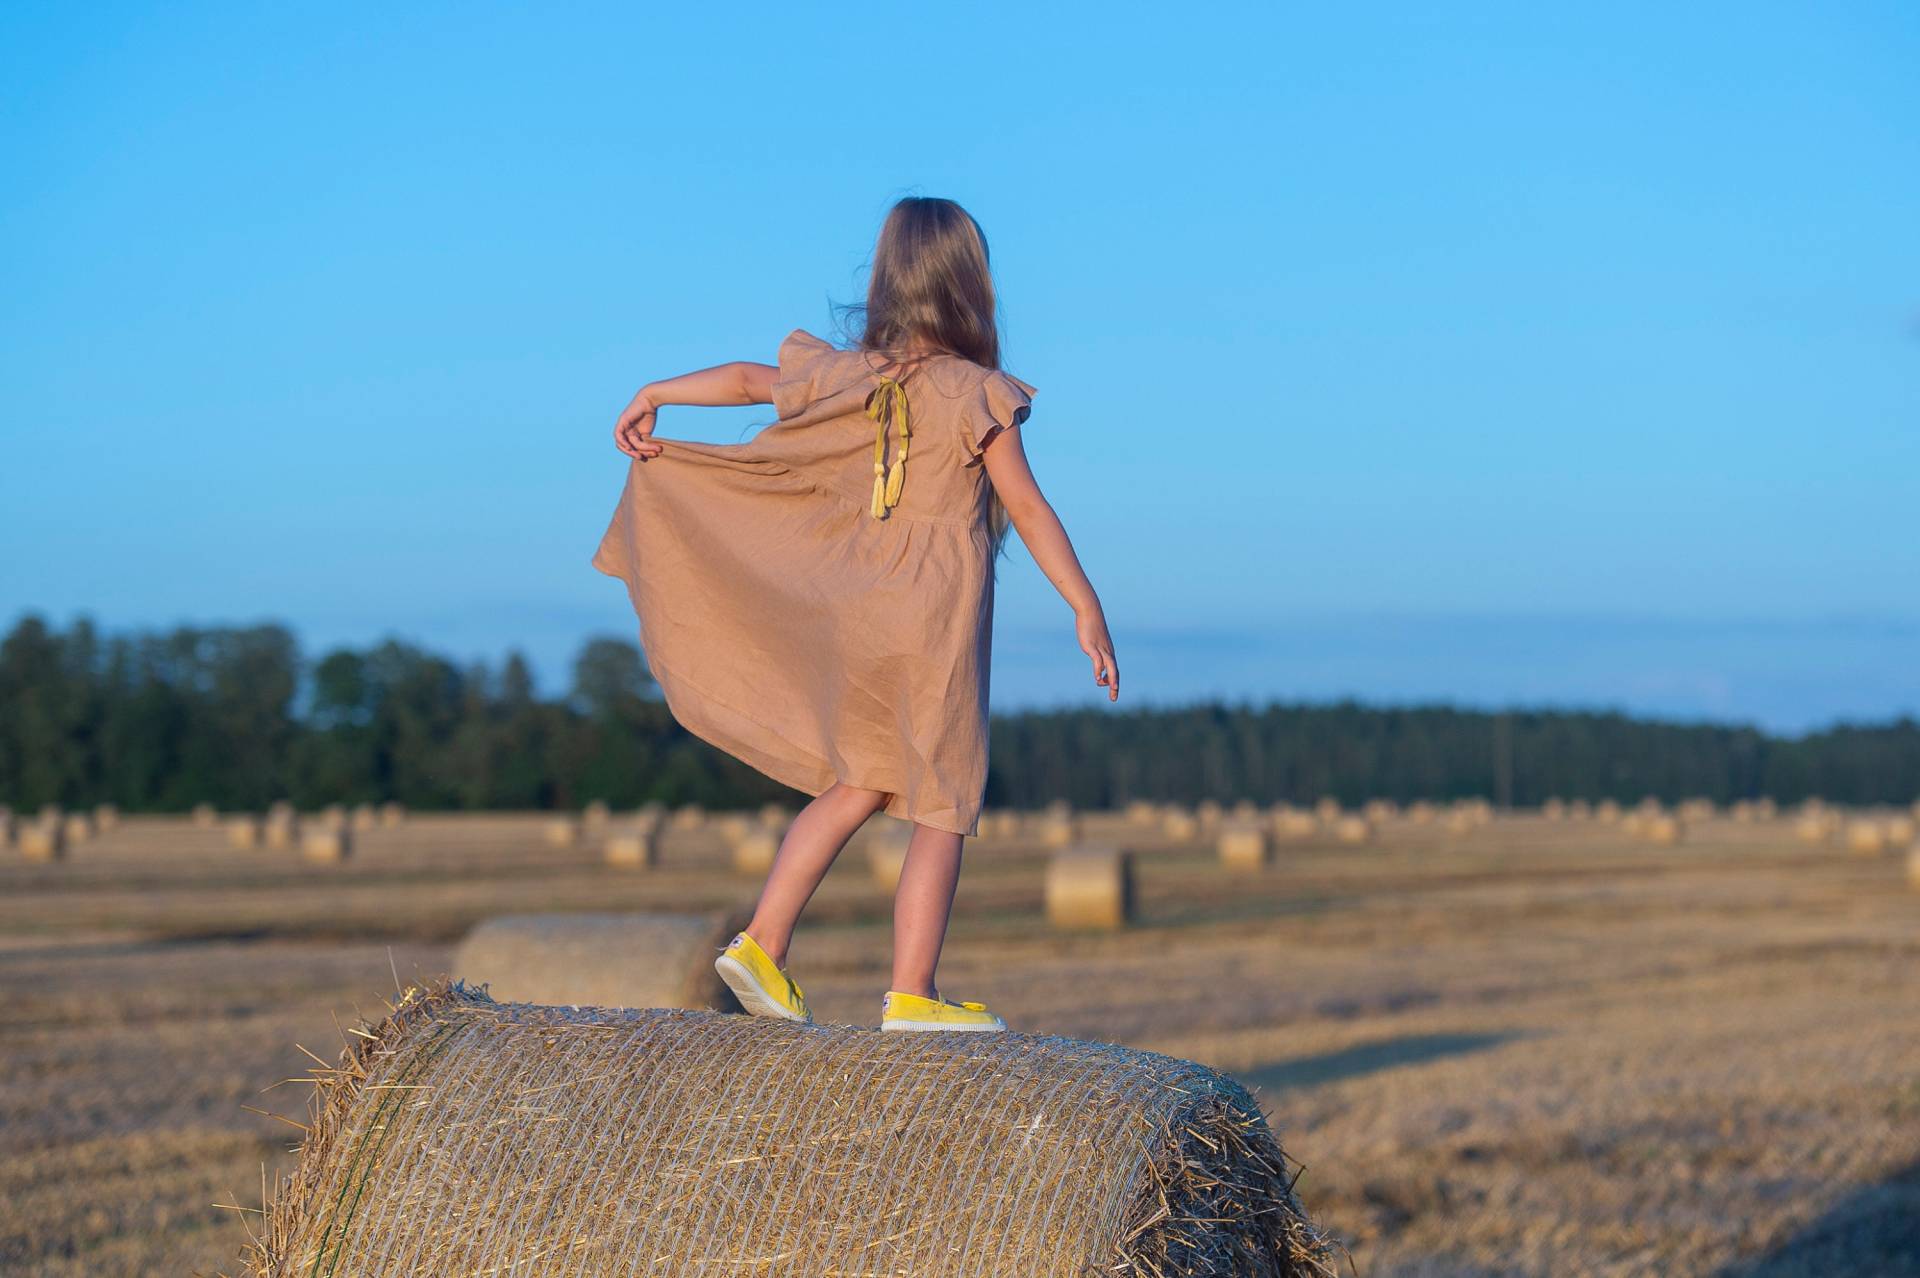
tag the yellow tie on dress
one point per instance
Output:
(887, 404)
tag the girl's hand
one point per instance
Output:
(633, 432)
(1090, 628)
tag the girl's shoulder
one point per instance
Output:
(952, 379)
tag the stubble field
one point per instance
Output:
(1534, 1048)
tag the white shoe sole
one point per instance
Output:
(934, 1027)
(754, 999)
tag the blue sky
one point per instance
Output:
(1401, 352)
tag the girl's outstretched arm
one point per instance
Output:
(1042, 533)
(724, 384)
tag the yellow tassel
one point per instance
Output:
(888, 402)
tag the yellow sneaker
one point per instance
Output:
(911, 1012)
(759, 983)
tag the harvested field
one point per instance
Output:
(1534, 1048)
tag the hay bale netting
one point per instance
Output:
(654, 1141)
(1090, 888)
(601, 960)
(1244, 846)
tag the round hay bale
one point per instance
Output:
(1554, 810)
(652, 814)
(1244, 846)
(243, 833)
(596, 814)
(1179, 824)
(1422, 812)
(78, 828)
(1090, 888)
(690, 816)
(1697, 810)
(52, 814)
(1293, 825)
(602, 960)
(393, 815)
(1765, 809)
(562, 832)
(1058, 808)
(363, 818)
(734, 826)
(106, 817)
(281, 810)
(326, 845)
(1866, 838)
(1327, 808)
(1000, 823)
(1461, 822)
(645, 1139)
(1664, 830)
(1246, 812)
(1058, 830)
(1381, 811)
(1141, 812)
(1208, 813)
(1900, 831)
(632, 849)
(1353, 829)
(887, 856)
(205, 815)
(1634, 824)
(43, 841)
(1813, 829)
(331, 817)
(776, 816)
(1913, 867)
(281, 832)
(1607, 811)
(1579, 810)
(754, 853)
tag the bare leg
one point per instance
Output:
(921, 907)
(806, 854)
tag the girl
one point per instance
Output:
(818, 601)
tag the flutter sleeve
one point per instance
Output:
(1003, 402)
(801, 355)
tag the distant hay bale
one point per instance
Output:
(393, 815)
(596, 814)
(1461, 822)
(690, 816)
(1381, 811)
(326, 845)
(1244, 846)
(632, 849)
(1327, 808)
(1813, 828)
(281, 830)
(1090, 888)
(626, 1140)
(652, 814)
(562, 832)
(1058, 808)
(331, 817)
(602, 960)
(1554, 810)
(1913, 867)
(1579, 810)
(42, 841)
(1634, 824)
(78, 828)
(1607, 811)
(243, 833)
(1179, 824)
(1765, 809)
(205, 815)
(754, 851)
(1292, 824)
(999, 823)
(1058, 830)
(1664, 830)
(106, 817)
(1353, 829)
(52, 814)
(1421, 812)
(1697, 810)
(281, 810)
(1900, 831)
(1141, 812)
(776, 816)
(734, 825)
(365, 817)
(1208, 813)
(1866, 837)
(1741, 812)
(886, 851)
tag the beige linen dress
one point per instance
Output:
(790, 627)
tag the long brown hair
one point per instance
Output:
(930, 288)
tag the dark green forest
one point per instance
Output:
(239, 718)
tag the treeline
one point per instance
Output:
(238, 718)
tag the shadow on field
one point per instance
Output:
(1873, 1232)
(1366, 1058)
